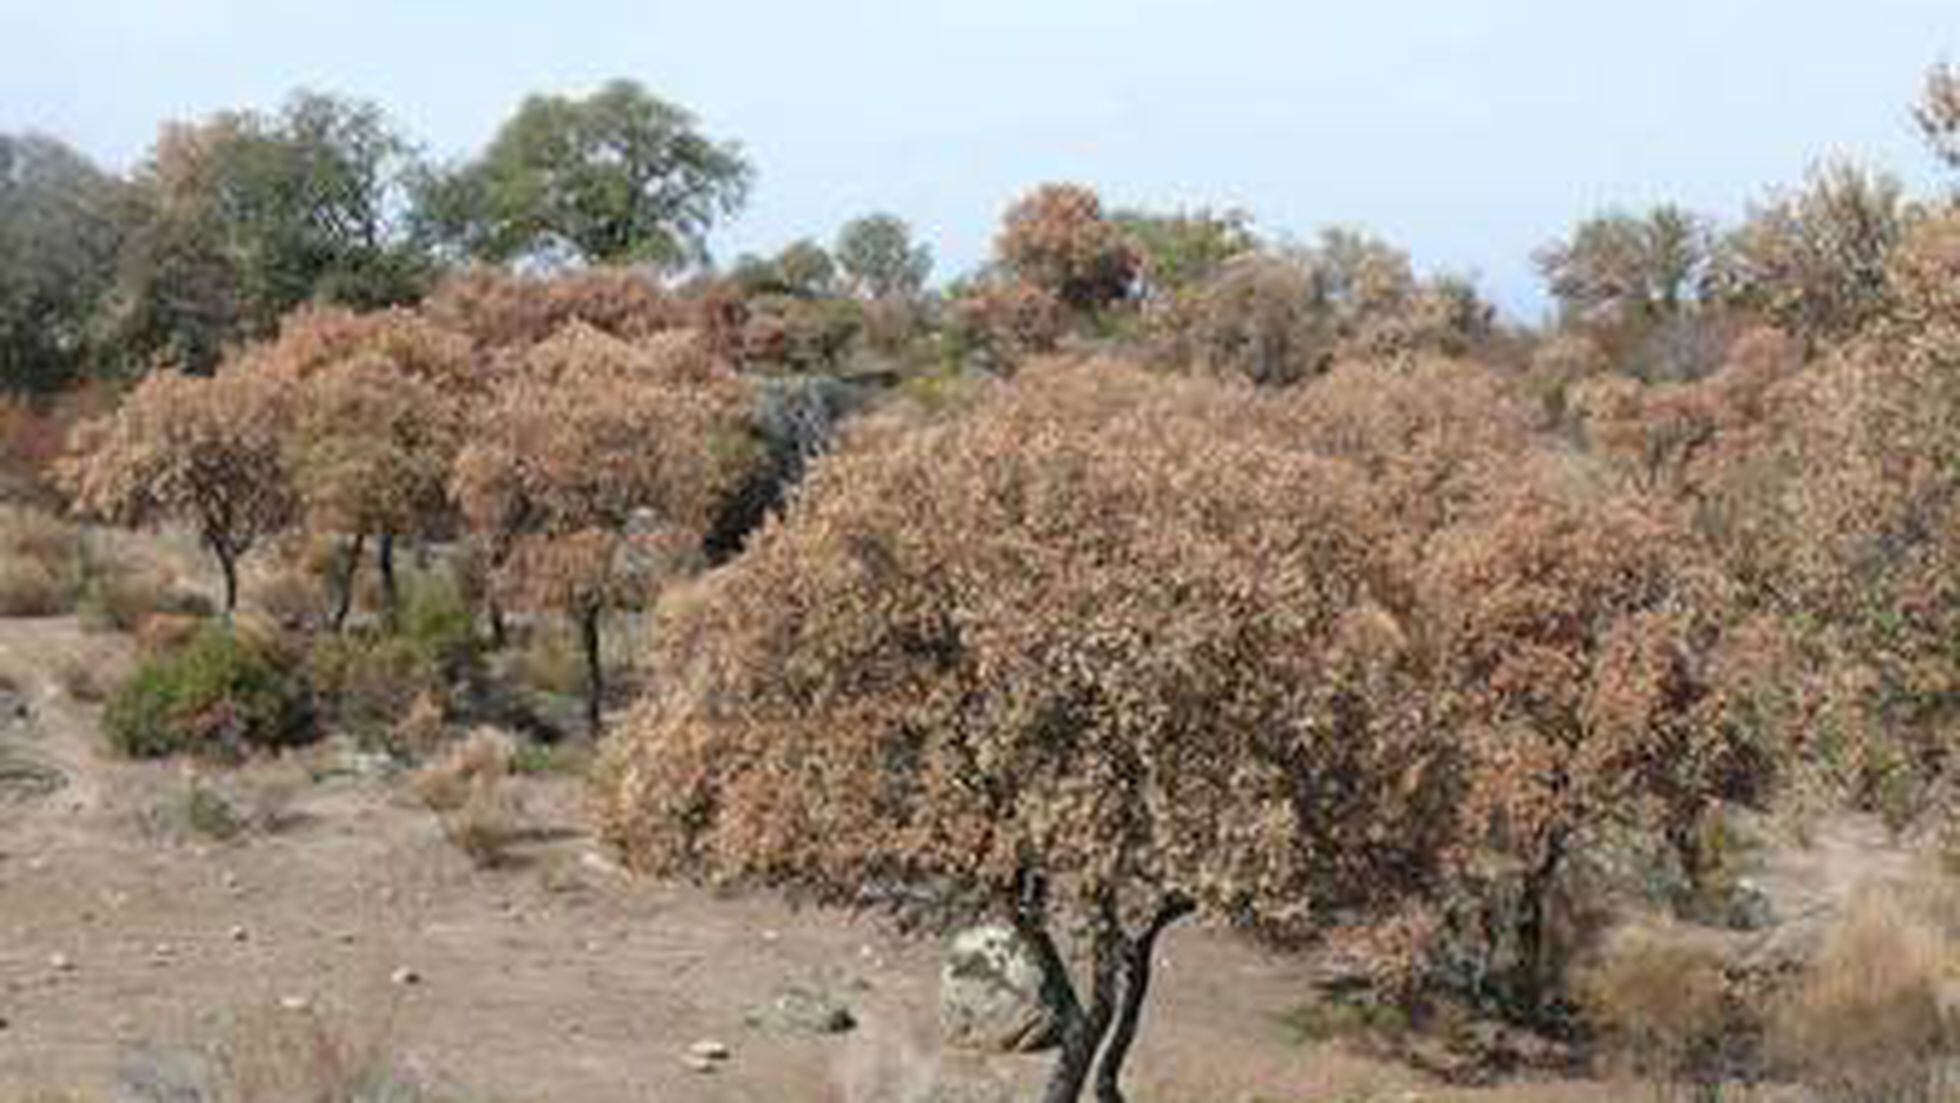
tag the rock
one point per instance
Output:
(990, 995)
(295, 1003)
(240, 934)
(61, 963)
(800, 1009)
(705, 1056)
(404, 977)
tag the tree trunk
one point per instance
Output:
(384, 558)
(1534, 927)
(499, 631)
(228, 564)
(1136, 959)
(344, 599)
(1084, 1030)
(594, 677)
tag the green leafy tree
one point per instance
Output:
(1185, 249)
(243, 216)
(879, 259)
(618, 176)
(61, 226)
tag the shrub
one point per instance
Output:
(37, 563)
(1659, 1000)
(223, 693)
(466, 790)
(372, 683)
(118, 595)
(1866, 1023)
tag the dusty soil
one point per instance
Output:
(128, 940)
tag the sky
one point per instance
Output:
(1470, 133)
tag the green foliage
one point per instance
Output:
(879, 259)
(1185, 249)
(62, 221)
(618, 176)
(369, 682)
(243, 216)
(219, 696)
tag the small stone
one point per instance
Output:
(699, 1064)
(61, 963)
(348, 938)
(295, 1003)
(771, 936)
(708, 1049)
(240, 934)
(404, 977)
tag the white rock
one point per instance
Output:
(708, 1050)
(404, 977)
(240, 934)
(295, 1003)
(61, 963)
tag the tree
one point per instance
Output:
(620, 176)
(379, 403)
(1938, 114)
(208, 452)
(245, 216)
(1624, 268)
(1058, 660)
(1814, 262)
(62, 222)
(879, 259)
(1182, 250)
(1056, 239)
(594, 472)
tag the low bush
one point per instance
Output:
(37, 563)
(1867, 1022)
(370, 683)
(466, 789)
(221, 694)
(1659, 1001)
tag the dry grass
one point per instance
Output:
(281, 1055)
(1867, 1021)
(37, 563)
(83, 679)
(1660, 999)
(467, 788)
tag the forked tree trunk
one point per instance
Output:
(344, 595)
(1119, 984)
(588, 625)
(1136, 959)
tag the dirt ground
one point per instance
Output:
(128, 940)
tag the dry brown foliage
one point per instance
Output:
(1060, 657)
(498, 310)
(467, 787)
(208, 452)
(1056, 239)
(595, 470)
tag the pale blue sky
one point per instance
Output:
(1468, 132)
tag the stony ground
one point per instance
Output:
(130, 944)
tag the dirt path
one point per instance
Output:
(125, 939)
